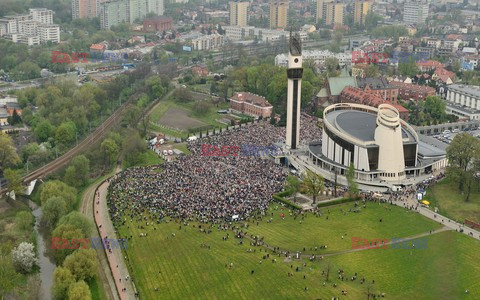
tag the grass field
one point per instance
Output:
(208, 118)
(181, 269)
(446, 196)
(314, 231)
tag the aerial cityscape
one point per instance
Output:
(270, 149)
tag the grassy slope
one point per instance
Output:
(316, 231)
(446, 196)
(180, 268)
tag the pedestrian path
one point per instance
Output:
(115, 256)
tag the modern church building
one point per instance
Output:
(383, 148)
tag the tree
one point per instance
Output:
(8, 276)
(15, 118)
(65, 133)
(62, 280)
(144, 122)
(26, 70)
(68, 232)
(110, 151)
(79, 291)
(293, 185)
(82, 264)
(54, 188)
(463, 156)
(78, 171)
(130, 118)
(24, 220)
(313, 184)
(435, 107)
(352, 184)
(331, 63)
(183, 95)
(408, 69)
(132, 148)
(202, 107)
(8, 152)
(23, 257)
(44, 130)
(78, 220)
(371, 71)
(53, 209)
(15, 181)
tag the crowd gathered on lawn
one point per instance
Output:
(207, 188)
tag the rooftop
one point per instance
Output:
(468, 89)
(251, 98)
(358, 124)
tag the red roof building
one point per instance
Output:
(158, 24)
(429, 65)
(409, 91)
(356, 95)
(251, 104)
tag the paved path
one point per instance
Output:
(115, 257)
(103, 268)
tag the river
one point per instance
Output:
(47, 265)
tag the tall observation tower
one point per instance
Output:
(294, 74)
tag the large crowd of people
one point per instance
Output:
(207, 188)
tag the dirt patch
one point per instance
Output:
(178, 119)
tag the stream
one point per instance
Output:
(46, 264)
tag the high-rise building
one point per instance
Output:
(362, 7)
(41, 15)
(335, 13)
(128, 11)
(278, 14)
(330, 12)
(321, 9)
(415, 11)
(238, 13)
(114, 13)
(82, 9)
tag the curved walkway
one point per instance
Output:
(115, 257)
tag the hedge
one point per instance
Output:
(279, 197)
(335, 202)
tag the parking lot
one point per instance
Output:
(447, 136)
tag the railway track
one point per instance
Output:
(91, 139)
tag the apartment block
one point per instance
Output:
(238, 13)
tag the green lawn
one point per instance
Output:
(181, 269)
(446, 196)
(296, 234)
(444, 270)
(147, 158)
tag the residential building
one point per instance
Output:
(82, 9)
(335, 13)
(319, 57)
(11, 106)
(236, 33)
(425, 51)
(251, 104)
(429, 65)
(200, 70)
(330, 12)
(355, 95)
(444, 76)
(238, 13)
(409, 91)
(3, 116)
(41, 15)
(30, 29)
(464, 101)
(49, 33)
(278, 14)
(113, 13)
(415, 11)
(200, 41)
(379, 87)
(158, 24)
(321, 10)
(361, 9)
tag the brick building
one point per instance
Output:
(158, 24)
(11, 106)
(356, 95)
(251, 104)
(408, 91)
(379, 87)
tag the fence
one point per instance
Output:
(472, 224)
